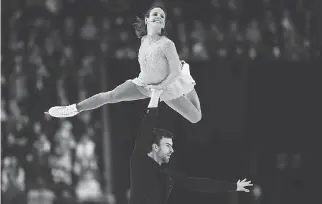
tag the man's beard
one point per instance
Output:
(165, 159)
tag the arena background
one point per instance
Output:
(257, 64)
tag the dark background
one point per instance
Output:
(259, 86)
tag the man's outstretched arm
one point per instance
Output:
(205, 185)
(145, 139)
(208, 185)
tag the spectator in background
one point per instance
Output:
(69, 65)
(294, 47)
(125, 51)
(33, 55)
(82, 93)
(253, 32)
(61, 92)
(218, 46)
(88, 34)
(286, 21)
(18, 81)
(183, 48)
(106, 27)
(4, 121)
(270, 36)
(85, 149)
(85, 153)
(4, 114)
(69, 31)
(14, 112)
(41, 194)
(235, 9)
(67, 60)
(88, 188)
(39, 81)
(53, 6)
(34, 33)
(266, 4)
(61, 163)
(42, 75)
(198, 38)
(42, 143)
(173, 25)
(64, 136)
(52, 51)
(106, 37)
(61, 172)
(127, 195)
(86, 73)
(104, 46)
(50, 46)
(254, 37)
(86, 118)
(4, 82)
(17, 140)
(41, 149)
(198, 32)
(13, 181)
(119, 21)
(42, 79)
(236, 39)
(10, 147)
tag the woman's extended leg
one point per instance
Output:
(128, 91)
(188, 106)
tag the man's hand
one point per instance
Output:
(242, 184)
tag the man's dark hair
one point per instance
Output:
(161, 133)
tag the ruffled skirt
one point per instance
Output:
(182, 85)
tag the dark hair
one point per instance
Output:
(140, 27)
(159, 134)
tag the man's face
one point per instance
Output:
(164, 150)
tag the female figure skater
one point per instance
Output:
(160, 67)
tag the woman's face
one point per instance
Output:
(156, 18)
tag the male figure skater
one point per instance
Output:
(150, 182)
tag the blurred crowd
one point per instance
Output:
(52, 52)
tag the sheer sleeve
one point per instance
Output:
(172, 56)
(174, 62)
